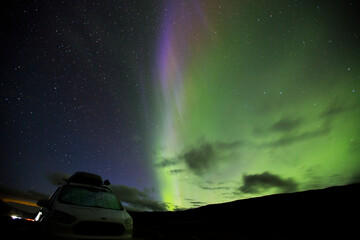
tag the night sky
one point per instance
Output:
(181, 103)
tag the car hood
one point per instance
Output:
(93, 213)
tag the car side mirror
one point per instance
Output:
(43, 202)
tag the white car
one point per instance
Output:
(84, 208)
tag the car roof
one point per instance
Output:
(87, 178)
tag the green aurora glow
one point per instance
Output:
(247, 89)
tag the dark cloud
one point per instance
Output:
(57, 178)
(211, 185)
(214, 188)
(294, 138)
(198, 159)
(290, 131)
(136, 199)
(260, 182)
(202, 157)
(166, 162)
(198, 203)
(21, 199)
(333, 111)
(335, 108)
(14, 193)
(286, 125)
(176, 171)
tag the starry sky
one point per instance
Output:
(181, 103)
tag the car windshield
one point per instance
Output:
(89, 197)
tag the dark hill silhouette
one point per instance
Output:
(331, 213)
(313, 214)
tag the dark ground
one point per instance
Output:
(317, 214)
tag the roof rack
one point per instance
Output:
(87, 178)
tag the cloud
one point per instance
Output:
(166, 162)
(202, 157)
(214, 188)
(290, 139)
(176, 171)
(197, 159)
(291, 131)
(286, 125)
(333, 111)
(260, 182)
(198, 203)
(56, 178)
(136, 199)
(210, 185)
(336, 108)
(30, 195)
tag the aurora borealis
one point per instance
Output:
(246, 89)
(191, 102)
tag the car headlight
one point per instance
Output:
(62, 217)
(129, 223)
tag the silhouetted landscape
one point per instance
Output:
(313, 214)
(302, 215)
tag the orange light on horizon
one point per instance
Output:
(24, 202)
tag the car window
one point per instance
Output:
(90, 197)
